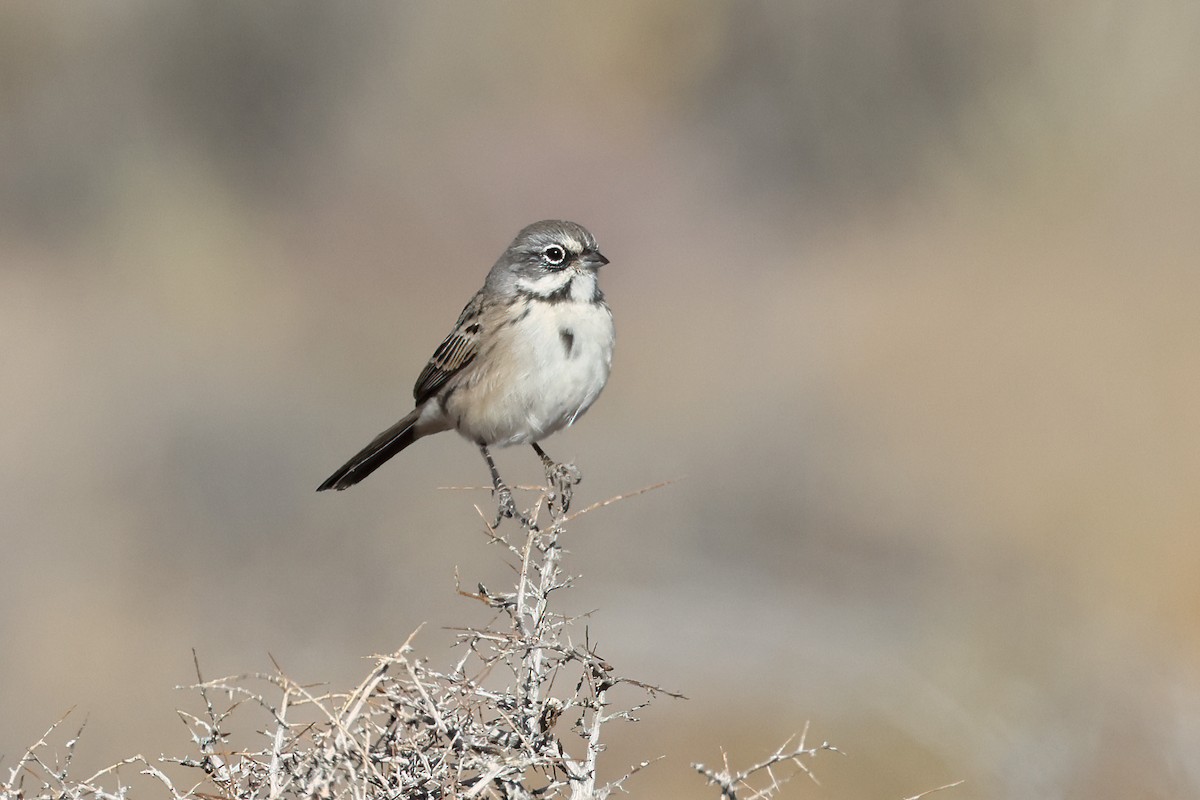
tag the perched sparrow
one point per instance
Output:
(528, 355)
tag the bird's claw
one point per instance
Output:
(506, 508)
(561, 480)
(505, 505)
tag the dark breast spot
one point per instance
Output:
(568, 340)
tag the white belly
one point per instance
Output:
(539, 375)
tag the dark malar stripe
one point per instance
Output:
(559, 295)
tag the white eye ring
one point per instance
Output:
(555, 255)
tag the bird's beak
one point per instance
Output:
(595, 260)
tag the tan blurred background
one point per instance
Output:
(907, 301)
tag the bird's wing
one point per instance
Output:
(454, 353)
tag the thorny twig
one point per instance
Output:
(494, 726)
(733, 783)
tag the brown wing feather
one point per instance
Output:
(455, 352)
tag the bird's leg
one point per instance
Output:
(506, 506)
(561, 479)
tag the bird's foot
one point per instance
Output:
(505, 505)
(506, 508)
(561, 480)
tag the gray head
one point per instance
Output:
(551, 259)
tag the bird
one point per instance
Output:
(530, 353)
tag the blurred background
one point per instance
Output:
(906, 295)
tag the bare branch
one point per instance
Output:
(490, 725)
(733, 784)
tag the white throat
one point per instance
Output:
(582, 285)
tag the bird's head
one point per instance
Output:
(551, 259)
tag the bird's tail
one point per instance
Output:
(371, 457)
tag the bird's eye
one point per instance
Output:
(554, 255)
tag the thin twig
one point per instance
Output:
(617, 498)
(938, 789)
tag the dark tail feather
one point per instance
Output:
(371, 457)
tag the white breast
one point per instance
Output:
(541, 373)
